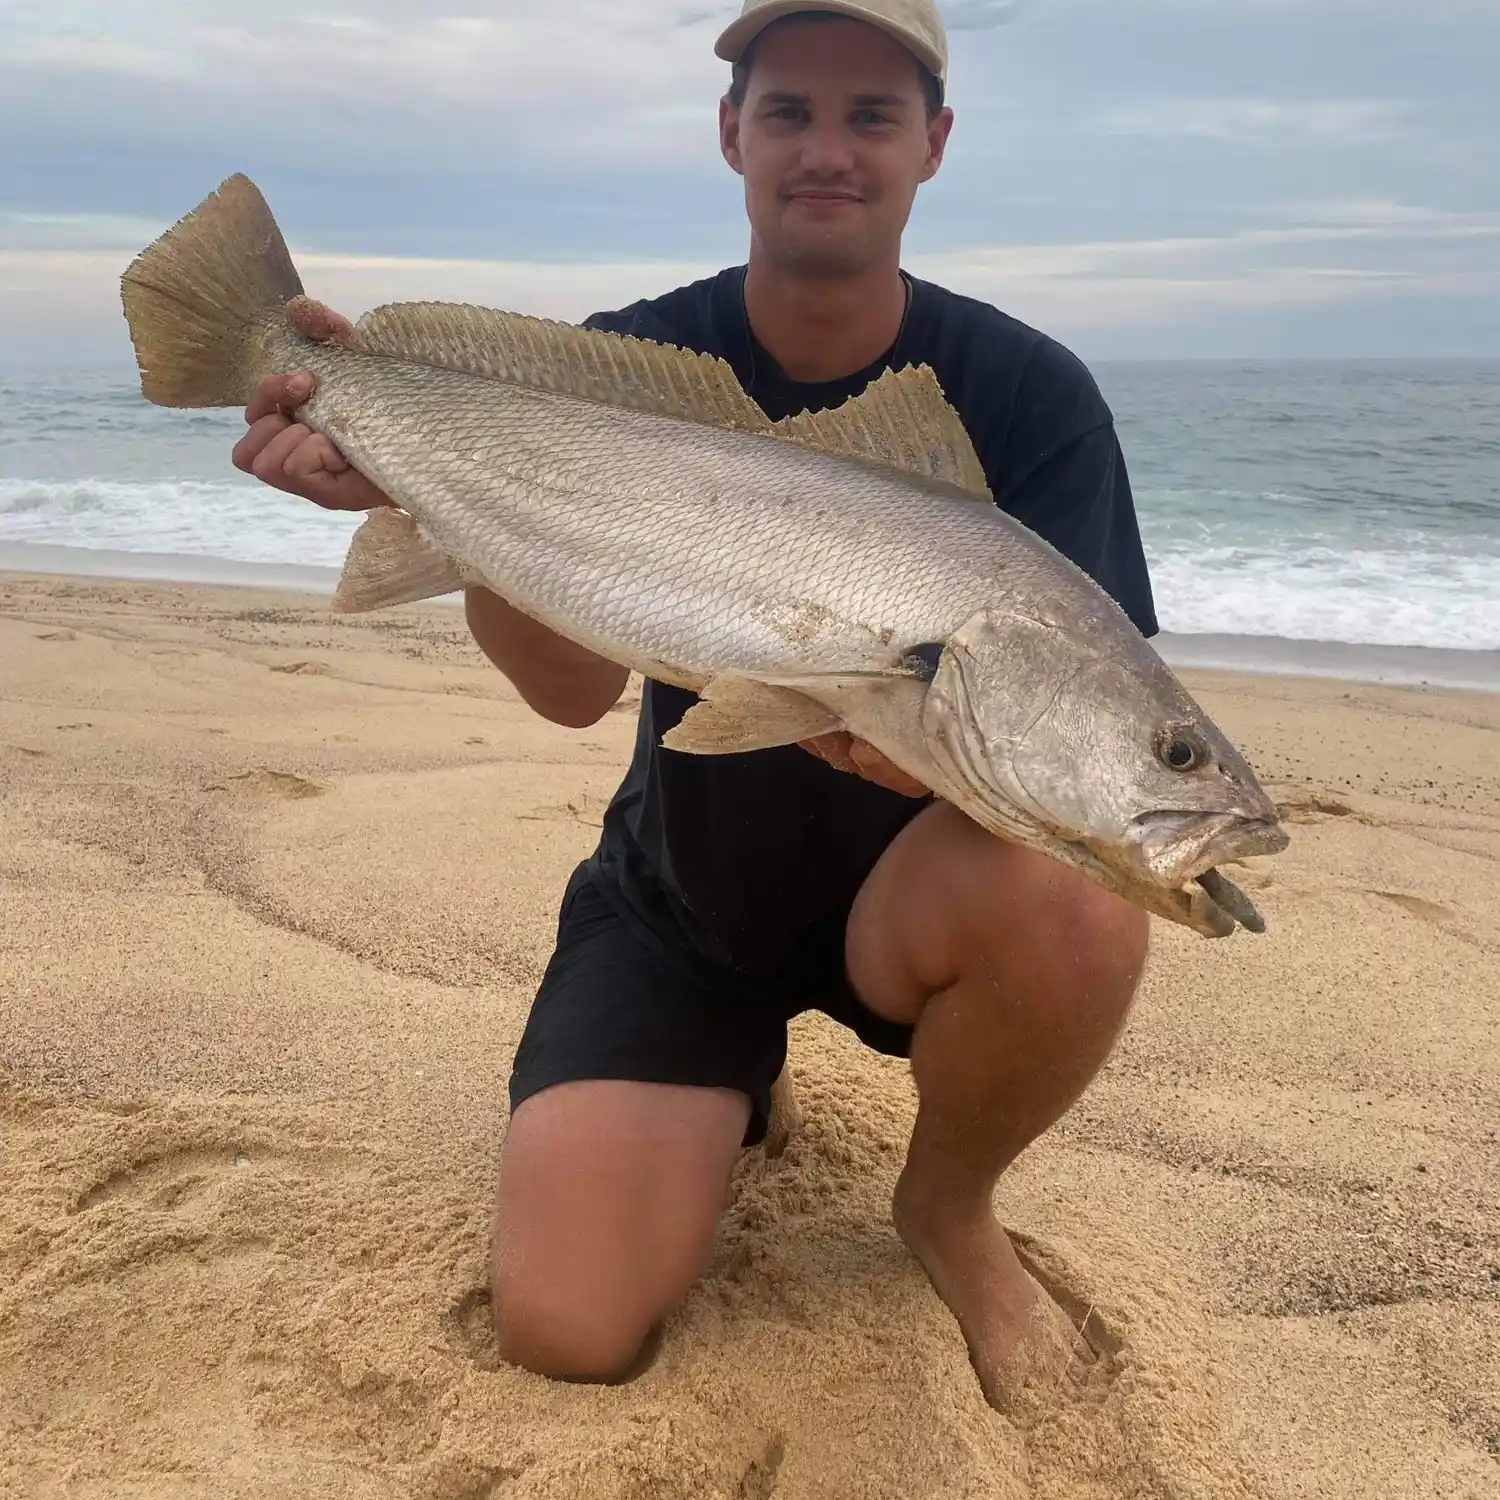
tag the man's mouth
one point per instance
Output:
(823, 197)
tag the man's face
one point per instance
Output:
(832, 140)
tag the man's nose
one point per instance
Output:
(827, 151)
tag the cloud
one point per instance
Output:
(980, 15)
(393, 77)
(66, 297)
(58, 232)
(1149, 283)
(1161, 165)
(1273, 121)
(1366, 212)
(64, 304)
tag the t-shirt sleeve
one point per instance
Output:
(635, 321)
(1058, 469)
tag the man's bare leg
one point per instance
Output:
(608, 1200)
(1018, 974)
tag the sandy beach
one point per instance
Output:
(277, 886)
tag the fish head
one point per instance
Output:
(1074, 731)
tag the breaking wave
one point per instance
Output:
(1359, 596)
(237, 519)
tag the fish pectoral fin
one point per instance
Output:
(736, 714)
(903, 421)
(391, 562)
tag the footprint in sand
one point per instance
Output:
(1314, 810)
(1429, 911)
(168, 1180)
(265, 783)
(759, 1479)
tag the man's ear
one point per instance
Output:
(729, 133)
(938, 129)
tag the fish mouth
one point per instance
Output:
(1174, 847)
(1182, 850)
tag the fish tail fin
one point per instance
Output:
(202, 299)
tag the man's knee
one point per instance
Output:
(608, 1197)
(564, 1332)
(1087, 943)
(954, 899)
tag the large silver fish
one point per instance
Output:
(841, 570)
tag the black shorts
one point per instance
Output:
(619, 1001)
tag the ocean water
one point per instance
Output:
(1355, 503)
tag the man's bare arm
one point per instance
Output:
(563, 682)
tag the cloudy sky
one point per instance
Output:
(1151, 178)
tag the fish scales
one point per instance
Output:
(656, 540)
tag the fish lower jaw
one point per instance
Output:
(1203, 914)
(1196, 850)
(1195, 896)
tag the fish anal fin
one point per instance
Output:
(903, 421)
(562, 358)
(390, 562)
(737, 714)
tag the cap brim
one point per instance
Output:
(739, 34)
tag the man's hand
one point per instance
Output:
(285, 454)
(860, 758)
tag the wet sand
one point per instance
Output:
(277, 887)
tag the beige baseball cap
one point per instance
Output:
(914, 23)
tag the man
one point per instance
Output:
(727, 894)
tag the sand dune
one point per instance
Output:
(276, 888)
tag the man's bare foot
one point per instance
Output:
(1018, 1338)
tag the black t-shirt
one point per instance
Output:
(740, 854)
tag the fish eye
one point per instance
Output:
(1181, 749)
(923, 659)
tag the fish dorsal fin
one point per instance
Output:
(904, 421)
(560, 357)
